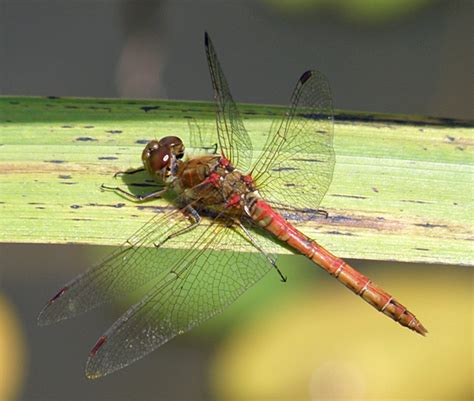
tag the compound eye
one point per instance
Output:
(160, 159)
(175, 145)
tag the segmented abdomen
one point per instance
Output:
(267, 218)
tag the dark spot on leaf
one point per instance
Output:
(66, 126)
(316, 116)
(414, 201)
(53, 97)
(307, 160)
(108, 158)
(88, 126)
(340, 233)
(64, 177)
(339, 218)
(375, 189)
(349, 196)
(69, 106)
(284, 169)
(114, 131)
(100, 108)
(55, 161)
(75, 207)
(450, 138)
(86, 139)
(146, 109)
(429, 121)
(429, 225)
(421, 249)
(142, 141)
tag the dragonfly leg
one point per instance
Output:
(214, 148)
(133, 197)
(129, 172)
(256, 245)
(195, 219)
(322, 213)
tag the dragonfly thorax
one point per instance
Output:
(213, 184)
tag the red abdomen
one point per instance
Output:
(271, 221)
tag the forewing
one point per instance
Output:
(202, 137)
(297, 162)
(200, 284)
(139, 260)
(234, 141)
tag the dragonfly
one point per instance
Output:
(229, 206)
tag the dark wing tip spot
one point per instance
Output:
(60, 292)
(306, 75)
(206, 38)
(97, 346)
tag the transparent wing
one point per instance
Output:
(132, 265)
(234, 141)
(297, 162)
(202, 137)
(199, 284)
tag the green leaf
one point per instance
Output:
(402, 186)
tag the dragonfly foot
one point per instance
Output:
(322, 213)
(282, 276)
(104, 187)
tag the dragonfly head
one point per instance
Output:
(161, 158)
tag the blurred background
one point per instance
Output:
(309, 339)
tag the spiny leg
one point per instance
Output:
(133, 197)
(195, 219)
(256, 245)
(129, 172)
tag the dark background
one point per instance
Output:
(411, 58)
(413, 61)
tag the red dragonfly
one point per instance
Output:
(225, 201)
